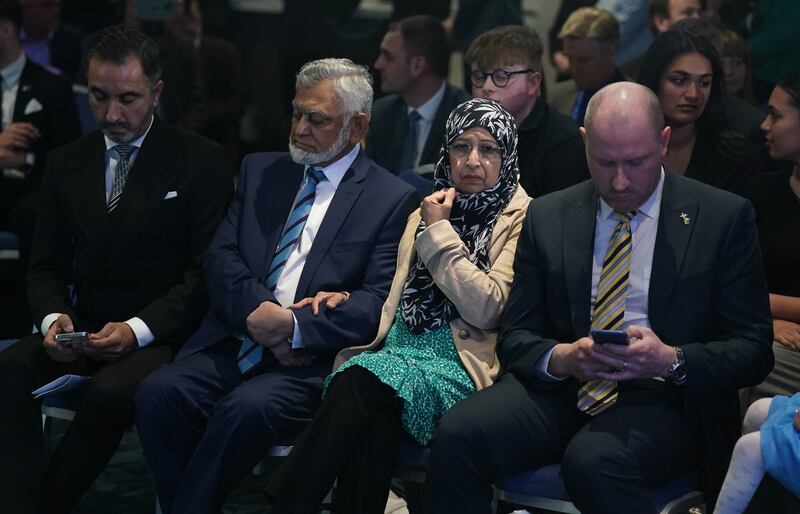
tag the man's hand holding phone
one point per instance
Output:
(57, 351)
(646, 356)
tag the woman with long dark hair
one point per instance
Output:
(685, 72)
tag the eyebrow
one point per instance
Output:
(687, 74)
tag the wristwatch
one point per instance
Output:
(676, 374)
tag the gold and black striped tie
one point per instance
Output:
(597, 395)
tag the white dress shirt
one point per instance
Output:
(144, 335)
(644, 227)
(427, 112)
(286, 288)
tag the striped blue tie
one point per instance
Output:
(250, 353)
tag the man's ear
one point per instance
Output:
(157, 89)
(534, 83)
(660, 22)
(417, 65)
(359, 124)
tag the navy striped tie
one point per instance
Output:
(250, 353)
(120, 174)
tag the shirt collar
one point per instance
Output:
(136, 142)
(335, 171)
(428, 110)
(13, 71)
(649, 208)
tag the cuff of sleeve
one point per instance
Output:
(142, 332)
(30, 158)
(540, 368)
(47, 321)
(297, 338)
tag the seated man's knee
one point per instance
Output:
(459, 430)
(594, 459)
(155, 392)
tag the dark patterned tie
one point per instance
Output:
(410, 149)
(250, 353)
(597, 395)
(120, 174)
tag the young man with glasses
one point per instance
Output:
(506, 64)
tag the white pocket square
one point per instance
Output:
(33, 106)
(171, 194)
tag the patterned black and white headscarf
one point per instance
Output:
(424, 307)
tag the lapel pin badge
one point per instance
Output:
(686, 219)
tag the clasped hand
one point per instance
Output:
(272, 326)
(113, 341)
(645, 357)
(437, 206)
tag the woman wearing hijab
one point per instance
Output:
(436, 340)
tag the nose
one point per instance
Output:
(114, 113)
(378, 64)
(765, 125)
(619, 181)
(300, 126)
(473, 158)
(691, 90)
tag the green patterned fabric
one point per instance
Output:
(425, 372)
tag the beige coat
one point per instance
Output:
(479, 297)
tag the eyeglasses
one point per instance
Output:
(499, 77)
(487, 151)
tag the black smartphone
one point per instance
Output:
(72, 338)
(610, 337)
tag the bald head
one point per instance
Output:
(624, 162)
(624, 103)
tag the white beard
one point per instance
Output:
(311, 159)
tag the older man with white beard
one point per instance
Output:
(322, 218)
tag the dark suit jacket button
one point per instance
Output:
(463, 333)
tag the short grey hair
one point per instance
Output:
(352, 82)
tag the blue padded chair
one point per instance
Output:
(9, 246)
(423, 185)
(543, 487)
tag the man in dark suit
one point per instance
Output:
(125, 216)
(221, 72)
(673, 263)
(322, 218)
(591, 39)
(506, 66)
(407, 125)
(49, 42)
(38, 114)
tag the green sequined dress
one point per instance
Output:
(424, 370)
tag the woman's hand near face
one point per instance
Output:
(437, 207)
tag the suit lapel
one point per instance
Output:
(398, 137)
(85, 185)
(24, 93)
(274, 198)
(343, 201)
(578, 247)
(151, 175)
(435, 136)
(676, 223)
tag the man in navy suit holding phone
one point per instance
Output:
(322, 218)
(671, 262)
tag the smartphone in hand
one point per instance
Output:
(72, 339)
(610, 337)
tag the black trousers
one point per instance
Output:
(353, 437)
(104, 413)
(609, 462)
